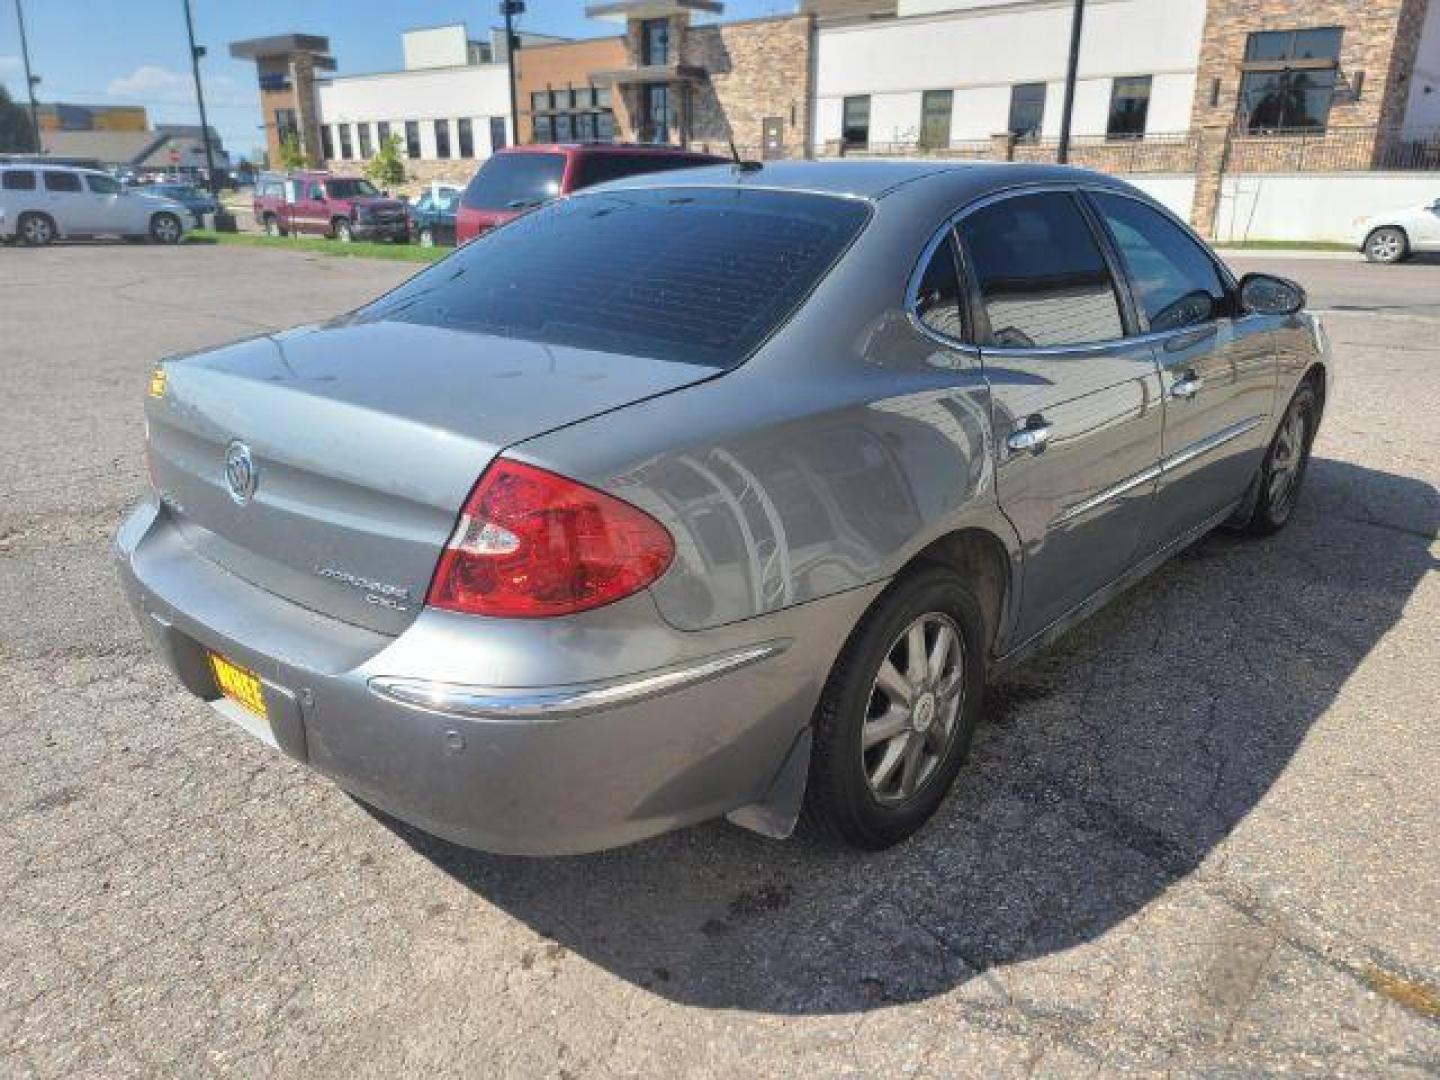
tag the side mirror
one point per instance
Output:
(1266, 294)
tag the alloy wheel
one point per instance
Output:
(910, 717)
(166, 229)
(1286, 463)
(1386, 245)
(37, 231)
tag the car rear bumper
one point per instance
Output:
(450, 726)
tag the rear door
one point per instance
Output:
(1075, 398)
(1217, 366)
(112, 211)
(67, 202)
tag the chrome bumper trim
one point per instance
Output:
(554, 703)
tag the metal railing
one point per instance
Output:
(1334, 149)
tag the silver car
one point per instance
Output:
(718, 492)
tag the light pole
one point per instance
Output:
(31, 81)
(196, 52)
(511, 8)
(1077, 20)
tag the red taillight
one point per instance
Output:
(531, 543)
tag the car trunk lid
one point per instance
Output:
(364, 439)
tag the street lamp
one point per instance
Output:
(1077, 20)
(509, 9)
(196, 52)
(31, 81)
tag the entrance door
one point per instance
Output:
(655, 115)
(1075, 400)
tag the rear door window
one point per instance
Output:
(17, 180)
(104, 185)
(1043, 281)
(694, 275)
(515, 181)
(937, 297)
(61, 181)
(1176, 283)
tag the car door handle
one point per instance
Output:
(1187, 386)
(1034, 437)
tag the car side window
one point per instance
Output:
(61, 181)
(103, 185)
(937, 297)
(316, 192)
(18, 180)
(1176, 283)
(1042, 278)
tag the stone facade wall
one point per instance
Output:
(755, 69)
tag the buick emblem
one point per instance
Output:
(241, 475)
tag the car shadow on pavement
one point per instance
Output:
(1107, 769)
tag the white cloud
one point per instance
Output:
(150, 84)
(10, 65)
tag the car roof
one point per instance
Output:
(870, 179)
(587, 148)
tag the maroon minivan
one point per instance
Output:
(520, 178)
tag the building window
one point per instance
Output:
(655, 120)
(855, 121)
(466, 137)
(346, 150)
(602, 97)
(412, 138)
(382, 132)
(935, 118)
(654, 42)
(327, 142)
(1288, 79)
(1027, 111)
(497, 133)
(563, 130)
(540, 101)
(1129, 105)
(286, 127)
(580, 113)
(544, 129)
(366, 149)
(442, 138)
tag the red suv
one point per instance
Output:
(522, 177)
(345, 207)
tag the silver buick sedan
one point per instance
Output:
(717, 492)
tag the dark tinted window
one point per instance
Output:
(1027, 110)
(61, 181)
(597, 168)
(1176, 283)
(514, 181)
(442, 138)
(937, 299)
(412, 138)
(855, 121)
(108, 185)
(466, 136)
(699, 276)
(18, 180)
(1129, 107)
(1041, 275)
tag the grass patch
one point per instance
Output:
(318, 245)
(1285, 245)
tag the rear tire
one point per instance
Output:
(1283, 470)
(35, 230)
(166, 229)
(863, 788)
(1387, 245)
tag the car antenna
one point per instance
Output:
(742, 166)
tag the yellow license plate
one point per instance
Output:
(239, 685)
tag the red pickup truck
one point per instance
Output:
(345, 207)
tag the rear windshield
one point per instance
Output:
(597, 168)
(695, 275)
(515, 181)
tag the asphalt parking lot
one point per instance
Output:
(1201, 835)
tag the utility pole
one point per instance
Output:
(511, 8)
(1077, 20)
(30, 80)
(196, 52)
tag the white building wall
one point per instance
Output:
(1422, 110)
(980, 48)
(1313, 206)
(477, 91)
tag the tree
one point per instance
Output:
(386, 169)
(17, 135)
(291, 156)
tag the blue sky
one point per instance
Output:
(134, 51)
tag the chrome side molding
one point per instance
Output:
(562, 702)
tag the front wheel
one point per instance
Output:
(272, 226)
(1387, 245)
(1283, 470)
(895, 720)
(166, 229)
(35, 230)
(343, 231)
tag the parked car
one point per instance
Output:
(1394, 236)
(432, 215)
(344, 207)
(47, 203)
(196, 200)
(713, 493)
(520, 178)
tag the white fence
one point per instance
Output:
(1312, 206)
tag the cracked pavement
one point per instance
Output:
(1200, 836)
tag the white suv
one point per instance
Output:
(42, 203)
(1393, 236)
